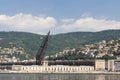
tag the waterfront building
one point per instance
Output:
(111, 65)
(53, 69)
(117, 66)
(99, 64)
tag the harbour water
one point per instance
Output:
(59, 77)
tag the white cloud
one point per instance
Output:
(42, 24)
(91, 24)
(67, 20)
(27, 22)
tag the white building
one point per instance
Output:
(53, 69)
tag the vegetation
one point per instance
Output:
(31, 42)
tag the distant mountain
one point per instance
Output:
(31, 42)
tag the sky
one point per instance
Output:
(59, 16)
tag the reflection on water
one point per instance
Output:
(100, 77)
(58, 77)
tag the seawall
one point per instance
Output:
(33, 72)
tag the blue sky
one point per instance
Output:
(59, 16)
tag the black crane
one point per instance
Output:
(41, 51)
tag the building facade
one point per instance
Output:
(111, 65)
(99, 64)
(53, 69)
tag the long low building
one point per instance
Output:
(53, 69)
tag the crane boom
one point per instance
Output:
(41, 51)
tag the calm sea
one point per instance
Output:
(58, 77)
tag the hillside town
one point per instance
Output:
(97, 50)
(12, 54)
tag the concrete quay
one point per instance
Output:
(36, 72)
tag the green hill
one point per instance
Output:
(31, 42)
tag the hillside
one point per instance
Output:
(31, 42)
(107, 50)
